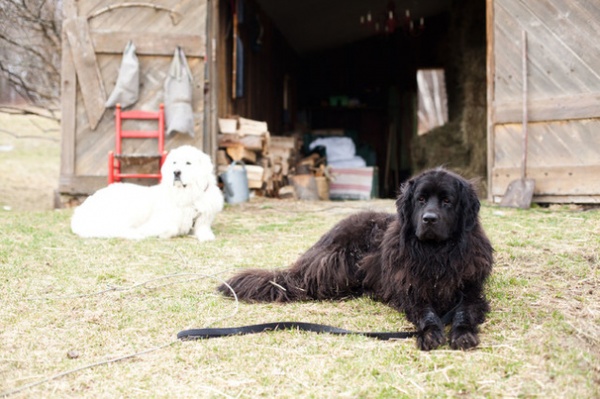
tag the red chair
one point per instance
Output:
(116, 157)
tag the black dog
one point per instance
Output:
(430, 257)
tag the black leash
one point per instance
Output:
(206, 333)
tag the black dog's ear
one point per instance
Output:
(470, 204)
(404, 203)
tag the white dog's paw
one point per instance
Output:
(204, 233)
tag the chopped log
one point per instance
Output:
(249, 126)
(255, 175)
(251, 142)
(289, 143)
(269, 160)
(239, 153)
(222, 158)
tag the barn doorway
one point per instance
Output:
(346, 74)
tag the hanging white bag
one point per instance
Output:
(179, 115)
(127, 88)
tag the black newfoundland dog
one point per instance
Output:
(430, 258)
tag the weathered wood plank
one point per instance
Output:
(557, 180)
(576, 106)
(567, 199)
(77, 185)
(507, 65)
(549, 144)
(571, 26)
(88, 74)
(156, 35)
(187, 16)
(149, 43)
(564, 98)
(68, 98)
(490, 77)
(558, 199)
(212, 79)
(560, 53)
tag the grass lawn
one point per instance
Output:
(71, 307)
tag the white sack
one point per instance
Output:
(178, 96)
(127, 88)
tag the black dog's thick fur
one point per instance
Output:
(424, 260)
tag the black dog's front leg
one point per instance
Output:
(463, 334)
(468, 316)
(430, 329)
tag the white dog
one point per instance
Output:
(186, 200)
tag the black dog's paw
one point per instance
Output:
(463, 338)
(430, 338)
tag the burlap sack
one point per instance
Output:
(178, 96)
(127, 88)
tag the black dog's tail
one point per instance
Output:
(318, 274)
(258, 285)
(327, 270)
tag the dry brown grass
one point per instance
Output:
(70, 307)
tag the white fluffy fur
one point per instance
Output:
(172, 208)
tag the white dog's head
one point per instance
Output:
(187, 167)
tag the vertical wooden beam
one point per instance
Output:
(68, 100)
(89, 78)
(212, 79)
(490, 72)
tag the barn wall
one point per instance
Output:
(563, 98)
(88, 77)
(268, 59)
(461, 143)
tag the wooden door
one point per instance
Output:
(563, 106)
(95, 33)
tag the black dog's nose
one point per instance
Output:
(177, 173)
(430, 217)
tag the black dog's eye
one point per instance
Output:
(446, 200)
(421, 198)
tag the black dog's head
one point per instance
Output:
(437, 205)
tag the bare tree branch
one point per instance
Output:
(30, 48)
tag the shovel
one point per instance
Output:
(520, 192)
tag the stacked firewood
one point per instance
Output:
(311, 181)
(269, 160)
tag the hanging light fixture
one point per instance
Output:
(389, 21)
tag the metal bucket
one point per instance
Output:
(235, 181)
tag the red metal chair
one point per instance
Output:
(116, 157)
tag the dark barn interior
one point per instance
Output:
(314, 66)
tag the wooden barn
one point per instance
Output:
(561, 103)
(354, 68)
(95, 34)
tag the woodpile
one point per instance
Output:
(311, 181)
(269, 160)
